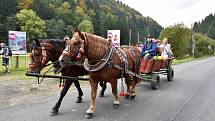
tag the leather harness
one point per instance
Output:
(107, 60)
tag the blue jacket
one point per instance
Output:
(150, 47)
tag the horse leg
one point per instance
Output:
(103, 84)
(115, 93)
(92, 107)
(63, 92)
(128, 83)
(80, 93)
(133, 92)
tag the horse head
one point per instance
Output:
(38, 57)
(74, 50)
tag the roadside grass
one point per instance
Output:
(16, 73)
(19, 73)
(189, 59)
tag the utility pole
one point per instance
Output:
(193, 41)
(129, 32)
(129, 37)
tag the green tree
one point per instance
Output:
(79, 16)
(31, 23)
(211, 30)
(86, 26)
(24, 4)
(45, 9)
(104, 14)
(179, 37)
(206, 26)
(10, 23)
(8, 10)
(202, 42)
(82, 4)
(55, 28)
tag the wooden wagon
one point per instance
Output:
(151, 69)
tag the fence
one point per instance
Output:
(23, 61)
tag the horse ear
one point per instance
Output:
(37, 43)
(81, 35)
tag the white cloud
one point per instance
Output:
(169, 12)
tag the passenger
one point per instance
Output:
(159, 49)
(167, 52)
(149, 48)
(158, 42)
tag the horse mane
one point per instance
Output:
(58, 46)
(98, 46)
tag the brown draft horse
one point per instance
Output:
(50, 50)
(95, 48)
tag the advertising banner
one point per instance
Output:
(114, 36)
(17, 42)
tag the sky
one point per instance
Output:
(170, 12)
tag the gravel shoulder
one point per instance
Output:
(16, 91)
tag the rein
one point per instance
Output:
(48, 71)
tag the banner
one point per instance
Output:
(17, 42)
(114, 36)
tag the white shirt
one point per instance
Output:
(166, 50)
(5, 55)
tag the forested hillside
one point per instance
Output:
(59, 17)
(206, 26)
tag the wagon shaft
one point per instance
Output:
(53, 76)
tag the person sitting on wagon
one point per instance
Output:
(166, 49)
(149, 48)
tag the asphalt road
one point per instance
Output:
(190, 97)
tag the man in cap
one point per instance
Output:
(5, 57)
(149, 48)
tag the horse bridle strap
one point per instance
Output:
(99, 65)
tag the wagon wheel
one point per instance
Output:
(170, 74)
(155, 84)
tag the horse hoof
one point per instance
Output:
(79, 100)
(89, 115)
(126, 96)
(101, 94)
(115, 106)
(133, 97)
(53, 112)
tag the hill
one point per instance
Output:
(62, 16)
(206, 26)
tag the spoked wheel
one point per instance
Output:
(170, 74)
(155, 84)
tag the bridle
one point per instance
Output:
(72, 55)
(42, 62)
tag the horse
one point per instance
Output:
(103, 62)
(50, 50)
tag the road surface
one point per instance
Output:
(190, 97)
